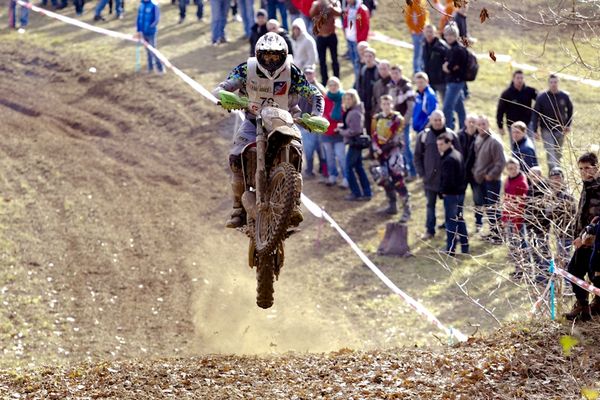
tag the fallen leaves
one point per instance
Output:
(568, 342)
(484, 15)
(493, 55)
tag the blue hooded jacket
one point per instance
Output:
(148, 17)
(524, 151)
(425, 104)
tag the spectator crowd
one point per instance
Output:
(414, 124)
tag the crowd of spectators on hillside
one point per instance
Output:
(415, 125)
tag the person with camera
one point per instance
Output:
(580, 264)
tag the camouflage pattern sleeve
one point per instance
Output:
(236, 80)
(303, 88)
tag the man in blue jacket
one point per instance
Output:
(425, 102)
(147, 23)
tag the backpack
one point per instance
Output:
(472, 66)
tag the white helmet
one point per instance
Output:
(271, 54)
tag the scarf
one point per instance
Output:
(336, 113)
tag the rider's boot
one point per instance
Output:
(391, 209)
(238, 215)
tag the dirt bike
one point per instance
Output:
(271, 167)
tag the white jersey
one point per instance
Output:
(263, 92)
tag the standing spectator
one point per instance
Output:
(404, 101)
(326, 11)
(274, 26)
(218, 9)
(273, 6)
(515, 103)
(305, 48)
(452, 192)
(369, 74)
(455, 68)
(523, 148)
(333, 142)
(352, 128)
(417, 16)
(78, 7)
(100, 6)
(387, 147)
(460, 19)
(183, 6)
(467, 137)
(561, 208)
(381, 85)
(12, 15)
(513, 215)
(356, 27)
(435, 51)
(425, 102)
(487, 170)
(553, 113)
(147, 29)
(246, 9)
(258, 29)
(428, 165)
(588, 209)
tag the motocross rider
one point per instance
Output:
(269, 79)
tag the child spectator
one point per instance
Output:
(147, 23)
(561, 208)
(452, 191)
(387, 148)
(538, 224)
(332, 141)
(258, 29)
(352, 128)
(404, 101)
(587, 210)
(513, 215)
(523, 148)
(12, 15)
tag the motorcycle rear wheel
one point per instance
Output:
(273, 221)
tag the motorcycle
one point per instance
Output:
(271, 167)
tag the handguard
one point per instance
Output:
(231, 101)
(314, 124)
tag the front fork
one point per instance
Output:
(261, 171)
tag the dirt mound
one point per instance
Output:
(515, 362)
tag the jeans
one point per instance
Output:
(553, 143)
(323, 43)
(455, 224)
(183, 5)
(103, 3)
(78, 6)
(580, 266)
(246, 9)
(431, 198)
(408, 154)
(490, 190)
(151, 57)
(54, 3)
(354, 57)
(417, 41)
(454, 101)
(218, 9)
(310, 143)
(335, 151)
(478, 200)
(12, 15)
(272, 7)
(354, 165)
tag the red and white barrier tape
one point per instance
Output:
(309, 204)
(579, 282)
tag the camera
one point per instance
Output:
(591, 229)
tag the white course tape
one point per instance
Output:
(309, 204)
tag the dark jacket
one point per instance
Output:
(404, 98)
(461, 23)
(366, 82)
(428, 159)
(553, 111)
(524, 151)
(515, 112)
(467, 149)
(255, 33)
(452, 177)
(589, 206)
(595, 259)
(379, 89)
(457, 63)
(434, 55)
